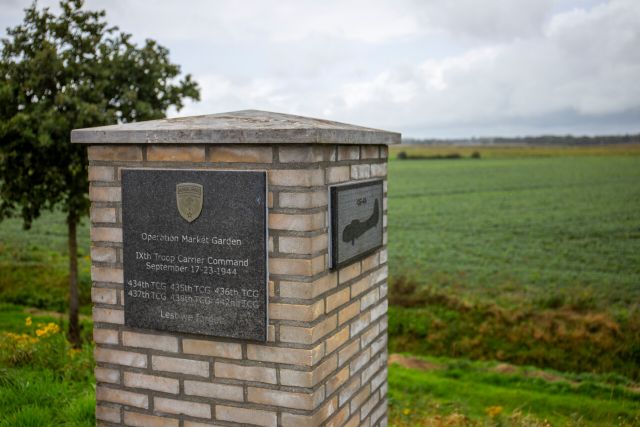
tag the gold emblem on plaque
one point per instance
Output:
(189, 200)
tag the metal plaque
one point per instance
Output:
(195, 251)
(356, 221)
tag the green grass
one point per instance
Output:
(36, 397)
(468, 389)
(34, 264)
(518, 230)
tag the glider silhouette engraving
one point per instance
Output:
(357, 228)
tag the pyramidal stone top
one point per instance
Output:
(238, 127)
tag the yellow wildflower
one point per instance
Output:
(21, 339)
(28, 321)
(48, 330)
(493, 411)
(406, 411)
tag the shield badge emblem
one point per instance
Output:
(189, 200)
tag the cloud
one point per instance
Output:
(578, 67)
(282, 21)
(423, 67)
(489, 20)
(569, 68)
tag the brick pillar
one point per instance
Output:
(324, 362)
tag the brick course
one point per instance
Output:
(244, 154)
(193, 153)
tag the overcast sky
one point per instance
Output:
(426, 68)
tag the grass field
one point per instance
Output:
(34, 264)
(514, 230)
(526, 256)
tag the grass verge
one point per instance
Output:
(567, 337)
(43, 381)
(457, 392)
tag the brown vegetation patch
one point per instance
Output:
(413, 363)
(505, 368)
(547, 376)
(428, 420)
(406, 292)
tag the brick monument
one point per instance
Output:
(309, 304)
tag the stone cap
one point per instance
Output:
(238, 127)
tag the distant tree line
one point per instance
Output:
(532, 140)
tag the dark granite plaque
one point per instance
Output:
(356, 221)
(195, 251)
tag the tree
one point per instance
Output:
(67, 71)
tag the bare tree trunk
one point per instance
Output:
(74, 326)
